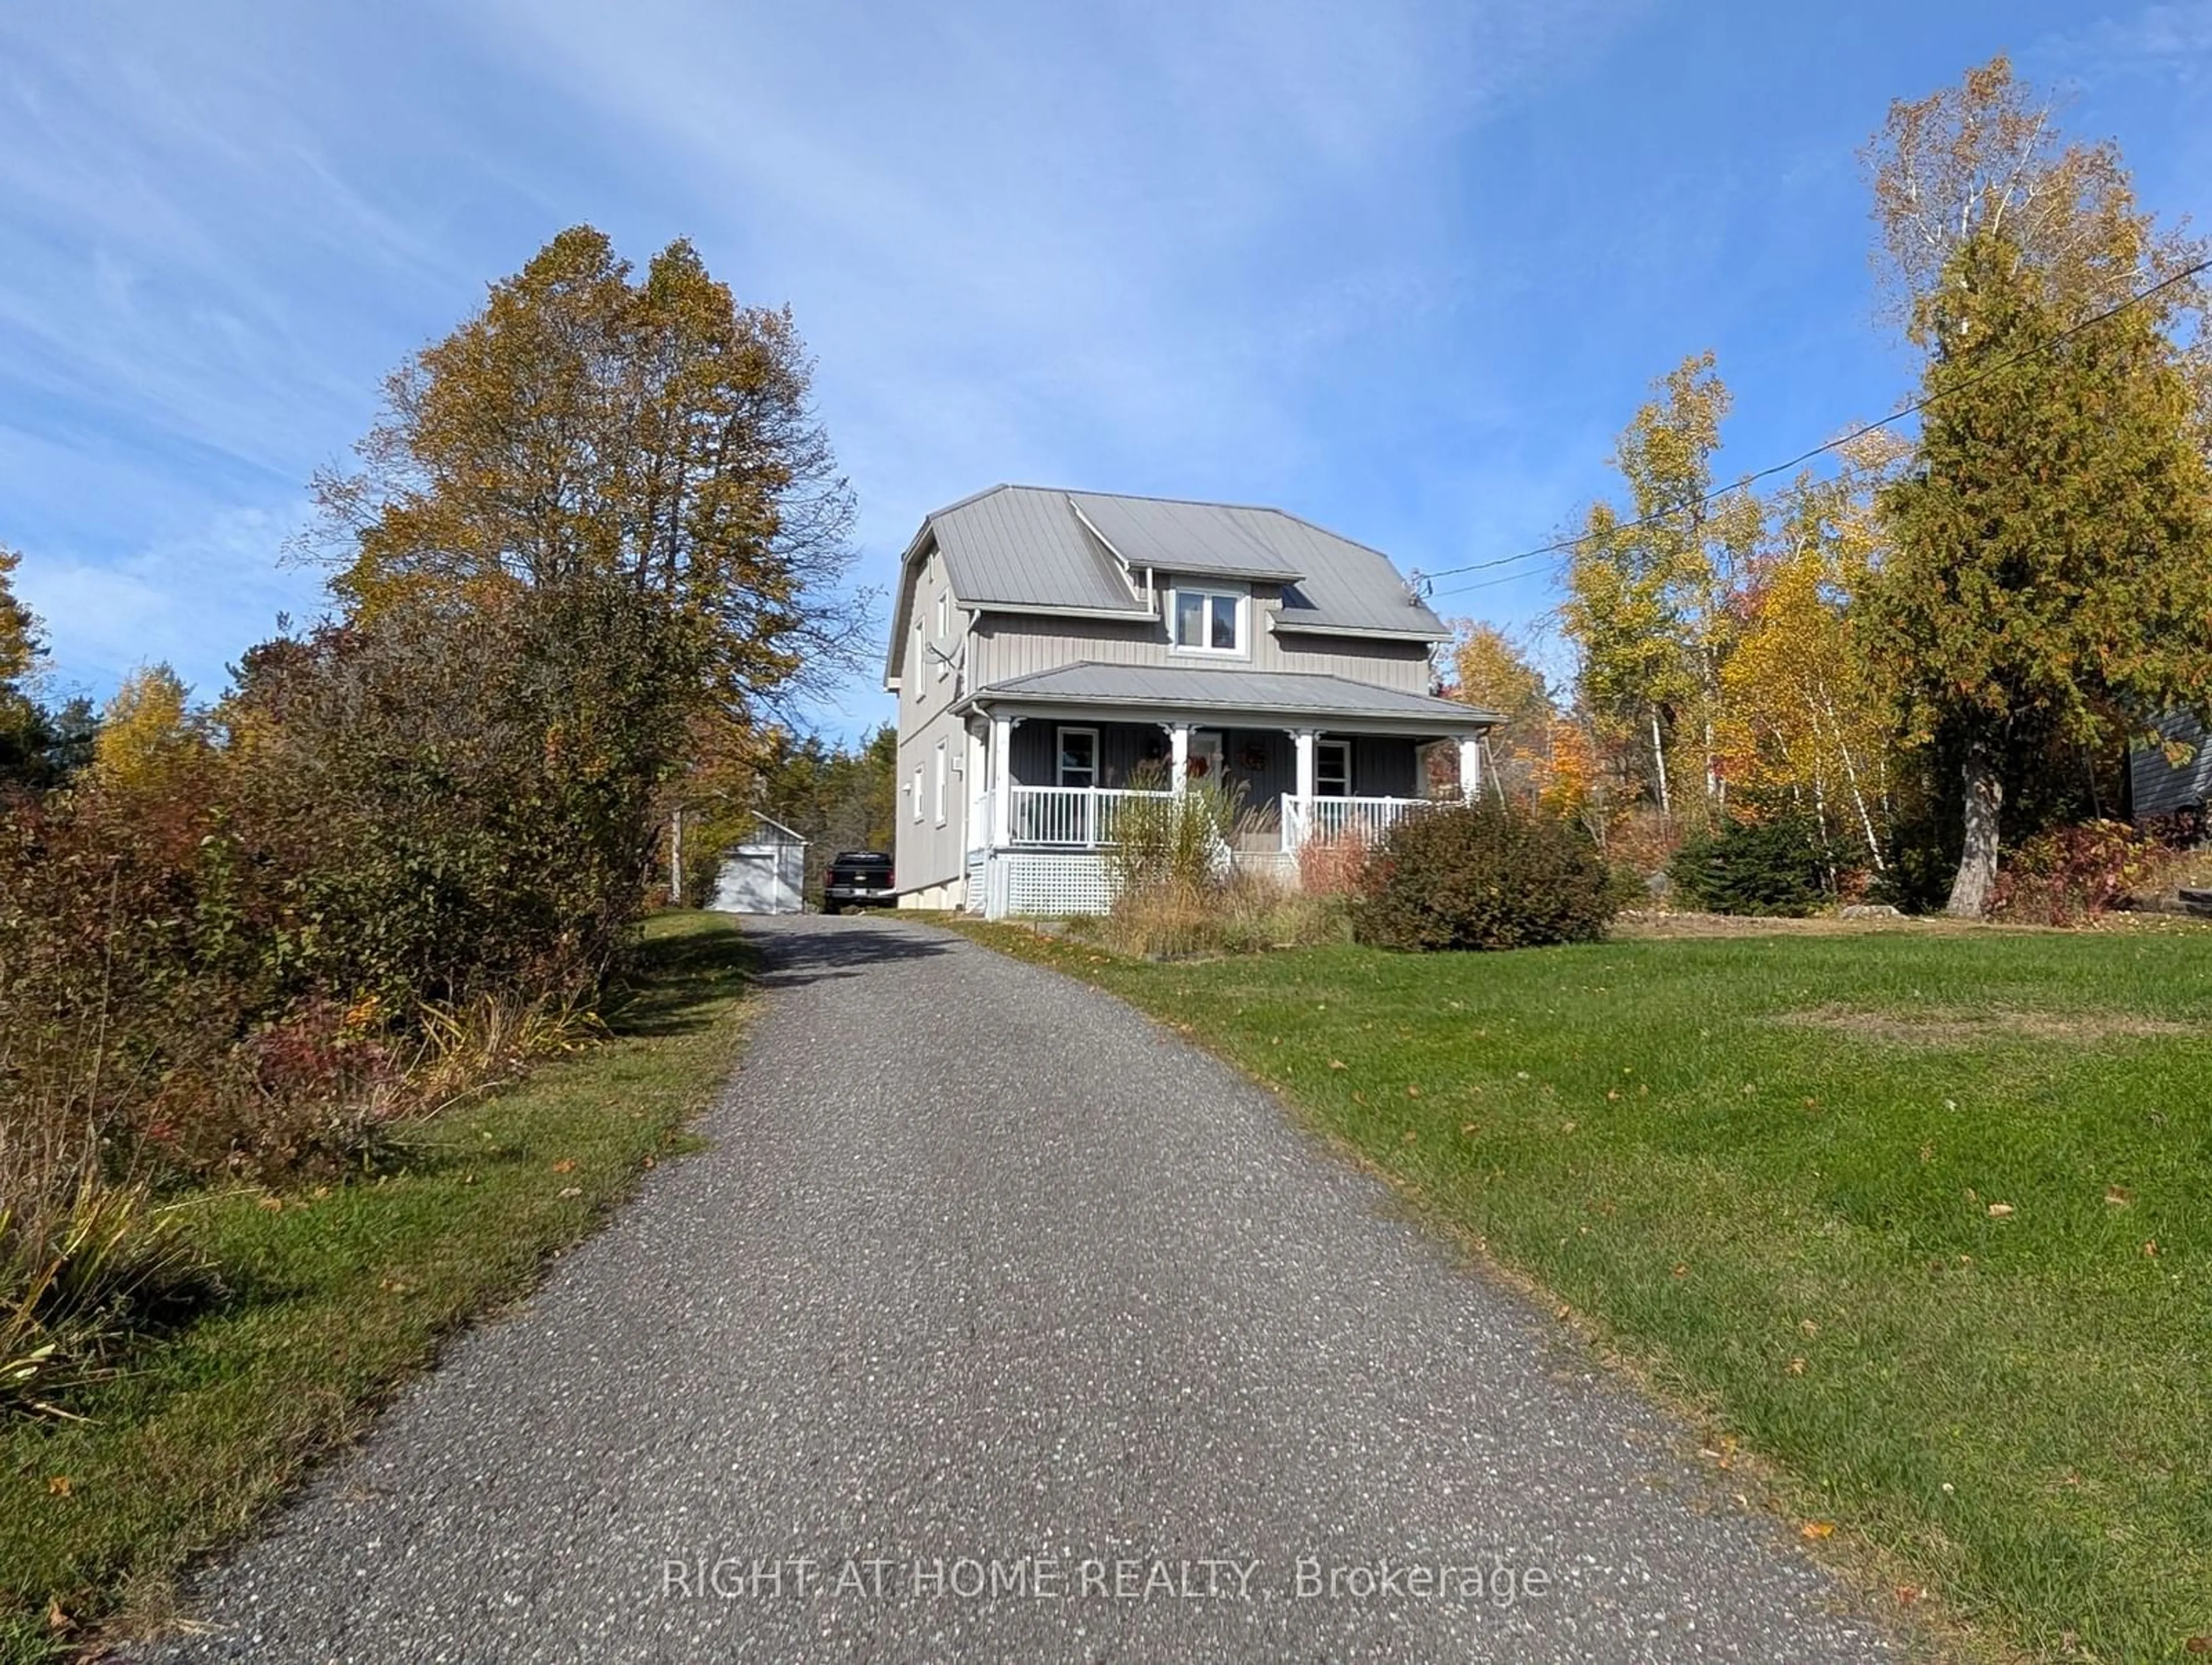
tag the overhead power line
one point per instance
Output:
(1914, 409)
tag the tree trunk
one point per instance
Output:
(1977, 862)
(1659, 762)
(676, 859)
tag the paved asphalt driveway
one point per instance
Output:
(999, 1324)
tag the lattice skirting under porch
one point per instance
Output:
(1032, 882)
(1008, 882)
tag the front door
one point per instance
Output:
(1206, 755)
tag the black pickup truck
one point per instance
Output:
(858, 879)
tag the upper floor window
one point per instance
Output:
(1209, 621)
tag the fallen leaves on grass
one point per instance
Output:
(566, 1165)
(58, 1486)
(2000, 1211)
(1954, 1026)
(2116, 1197)
(1817, 1530)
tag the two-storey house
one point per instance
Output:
(1052, 652)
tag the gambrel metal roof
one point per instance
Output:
(1201, 689)
(1030, 547)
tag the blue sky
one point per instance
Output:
(1404, 268)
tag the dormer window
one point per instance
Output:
(1209, 621)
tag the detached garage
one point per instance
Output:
(766, 874)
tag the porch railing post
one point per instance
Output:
(1302, 746)
(1002, 783)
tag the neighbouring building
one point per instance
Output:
(2162, 785)
(1050, 648)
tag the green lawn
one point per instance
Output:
(341, 1293)
(1923, 1220)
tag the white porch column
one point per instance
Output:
(1002, 781)
(1470, 767)
(1302, 742)
(975, 779)
(1178, 755)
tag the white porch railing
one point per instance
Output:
(1306, 820)
(1071, 818)
(1084, 818)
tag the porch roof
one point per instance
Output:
(1147, 691)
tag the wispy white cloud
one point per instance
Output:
(1050, 240)
(1405, 265)
(193, 601)
(2171, 39)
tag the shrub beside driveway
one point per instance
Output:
(337, 1293)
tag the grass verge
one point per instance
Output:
(340, 1293)
(1919, 1219)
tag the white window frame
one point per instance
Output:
(943, 630)
(1060, 755)
(937, 790)
(916, 789)
(1239, 597)
(1322, 749)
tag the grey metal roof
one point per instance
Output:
(1208, 540)
(1016, 547)
(1027, 546)
(1177, 687)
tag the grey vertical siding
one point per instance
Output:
(925, 853)
(1010, 645)
(2161, 788)
(1264, 786)
(1384, 766)
(1401, 665)
(1122, 749)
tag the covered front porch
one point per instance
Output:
(1059, 782)
(1056, 758)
